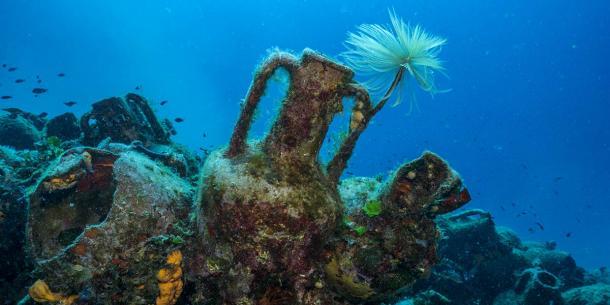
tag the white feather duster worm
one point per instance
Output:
(385, 53)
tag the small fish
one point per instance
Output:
(61, 74)
(502, 207)
(540, 226)
(557, 179)
(11, 69)
(70, 103)
(569, 234)
(205, 135)
(138, 87)
(37, 76)
(531, 230)
(19, 80)
(163, 102)
(39, 81)
(3, 65)
(43, 115)
(178, 120)
(39, 90)
(6, 97)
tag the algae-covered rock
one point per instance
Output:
(598, 275)
(477, 261)
(12, 232)
(18, 171)
(64, 126)
(18, 132)
(597, 294)
(508, 237)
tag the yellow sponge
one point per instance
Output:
(40, 292)
(170, 280)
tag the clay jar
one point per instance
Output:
(268, 206)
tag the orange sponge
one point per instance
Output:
(170, 280)
(40, 292)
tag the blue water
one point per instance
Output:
(526, 122)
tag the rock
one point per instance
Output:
(37, 121)
(599, 275)
(477, 262)
(597, 294)
(13, 262)
(470, 237)
(18, 132)
(64, 126)
(508, 237)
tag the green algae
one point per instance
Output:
(360, 230)
(372, 208)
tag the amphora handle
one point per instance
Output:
(360, 115)
(237, 145)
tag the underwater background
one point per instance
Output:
(526, 122)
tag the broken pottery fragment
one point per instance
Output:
(124, 121)
(100, 222)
